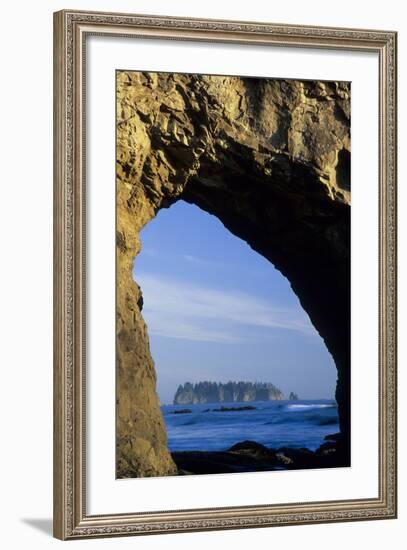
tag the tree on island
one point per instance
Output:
(216, 392)
(293, 396)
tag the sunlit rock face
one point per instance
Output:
(270, 159)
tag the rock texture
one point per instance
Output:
(250, 456)
(214, 392)
(270, 159)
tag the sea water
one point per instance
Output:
(302, 423)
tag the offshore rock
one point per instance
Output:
(217, 392)
(270, 159)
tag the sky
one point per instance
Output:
(217, 310)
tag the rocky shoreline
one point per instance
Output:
(249, 456)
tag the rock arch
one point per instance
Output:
(269, 158)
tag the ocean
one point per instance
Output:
(302, 423)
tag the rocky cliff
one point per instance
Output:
(216, 392)
(270, 159)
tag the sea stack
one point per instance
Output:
(217, 392)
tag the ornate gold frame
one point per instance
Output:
(70, 518)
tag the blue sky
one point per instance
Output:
(217, 310)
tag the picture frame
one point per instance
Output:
(72, 518)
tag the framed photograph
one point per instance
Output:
(225, 274)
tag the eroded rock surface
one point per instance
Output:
(270, 159)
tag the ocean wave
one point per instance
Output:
(190, 422)
(300, 407)
(274, 424)
(316, 419)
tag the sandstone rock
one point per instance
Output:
(270, 159)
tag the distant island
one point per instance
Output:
(218, 392)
